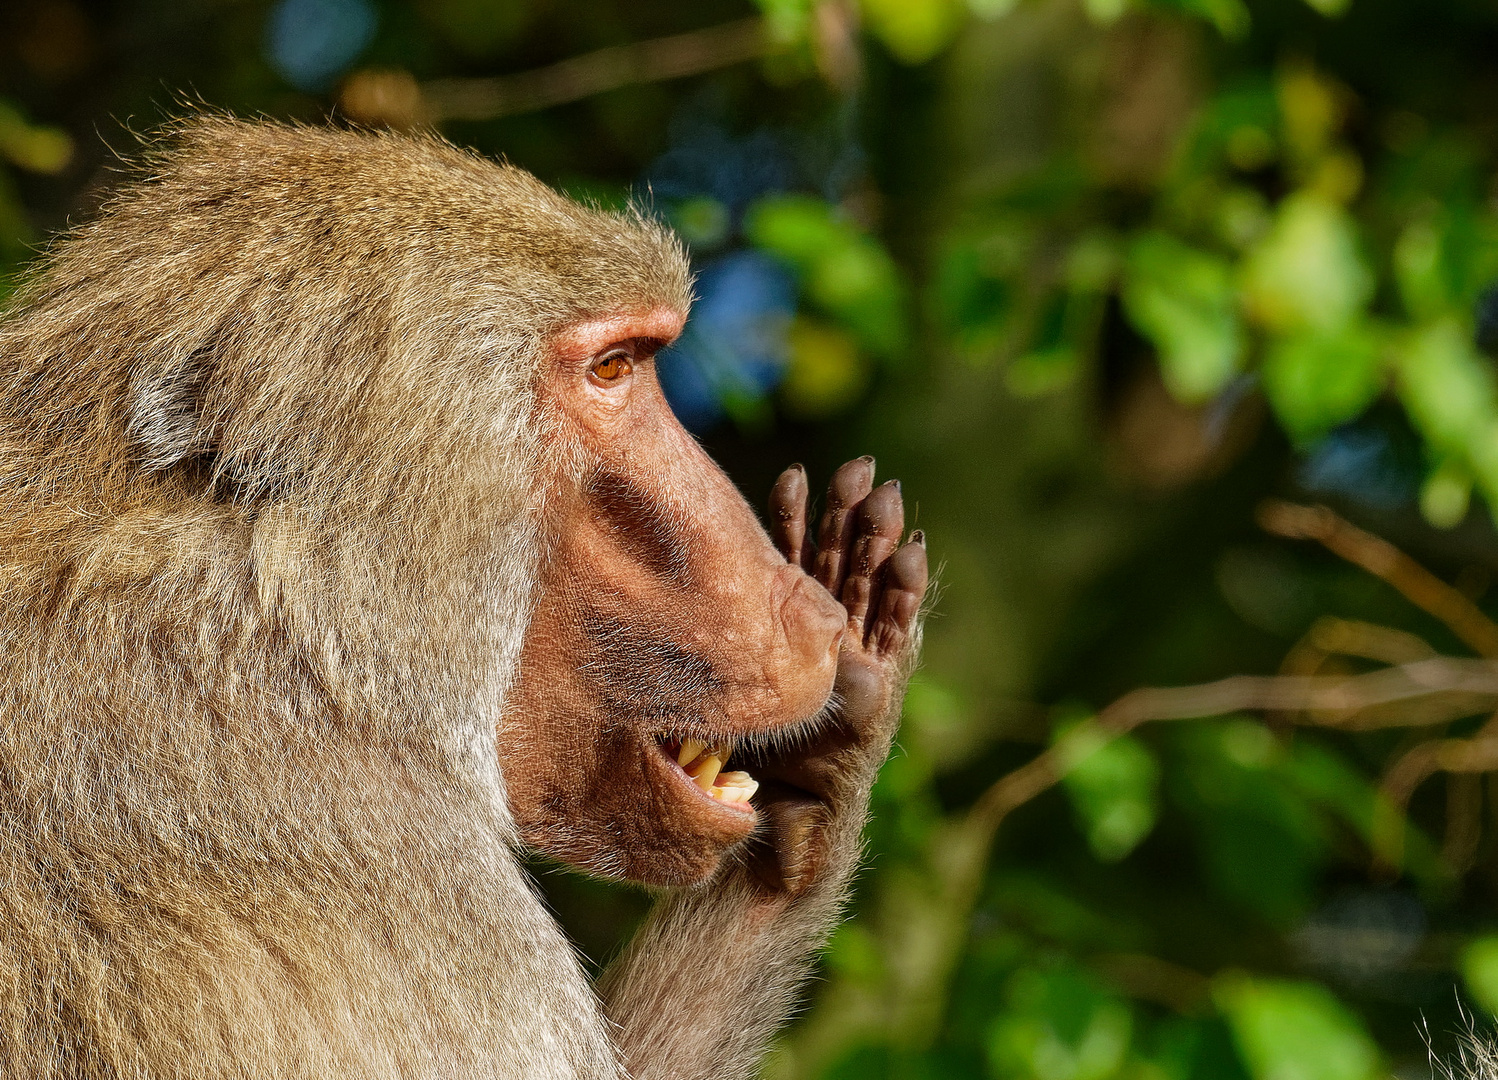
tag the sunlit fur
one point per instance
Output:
(266, 550)
(1476, 1056)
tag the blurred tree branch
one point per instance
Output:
(1334, 701)
(1417, 688)
(596, 72)
(1383, 560)
(1427, 691)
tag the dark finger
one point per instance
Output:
(835, 531)
(904, 587)
(794, 827)
(878, 525)
(788, 515)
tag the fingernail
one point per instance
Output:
(918, 537)
(798, 467)
(892, 483)
(868, 459)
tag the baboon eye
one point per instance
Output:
(612, 367)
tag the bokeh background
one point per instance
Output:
(1118, 288)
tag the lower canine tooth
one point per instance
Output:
(705, 776)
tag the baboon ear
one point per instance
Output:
(164, 418)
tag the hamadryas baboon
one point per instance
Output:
(347, 546)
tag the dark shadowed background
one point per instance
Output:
(1119, 289)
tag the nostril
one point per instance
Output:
(822, 617)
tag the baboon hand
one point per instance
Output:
(811, 789)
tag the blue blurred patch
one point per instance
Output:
(310, 42)
(1360, 463)
(733, 350)
(707, 160)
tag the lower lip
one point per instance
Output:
(739, 807)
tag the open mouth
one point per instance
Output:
(703, 766)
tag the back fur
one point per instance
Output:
(268, 527)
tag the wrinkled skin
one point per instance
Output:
(664, 612)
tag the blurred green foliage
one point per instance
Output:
(1093, 277)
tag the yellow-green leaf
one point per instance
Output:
(1315, 381)
(1479, 964)
(1307, 273)
(913, 30)
(825, 373)
(1182, 300)
(1295, 1031)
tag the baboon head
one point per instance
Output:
(413, 393)
(667, 629)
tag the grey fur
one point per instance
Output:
(267, 537)
(268, 532)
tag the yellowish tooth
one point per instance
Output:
(690, 750)
(734, 787)
(708, 773)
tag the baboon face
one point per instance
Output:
(667, 629)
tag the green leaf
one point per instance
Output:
(913, 30)
(1446, 495)
(15, 229)
(1479, 965)
(825, 373)
(1312, 109)
(37, 148)
(1231, 17)
(1059, 1026)
(788, 20)
(795, 227)
(989, 10)
(1104, 11)
(972, 302)
(853, 951)
(1113, 787)
(1182, 300)
(1334, 785)
(1260, 841)
(1419, 272)
(1307, 272)
(702, 221)
(843, 270)
(1315, 381)
(1042, 371)
(1449, 392)
(1295, 1031)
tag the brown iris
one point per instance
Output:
(612, 368)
